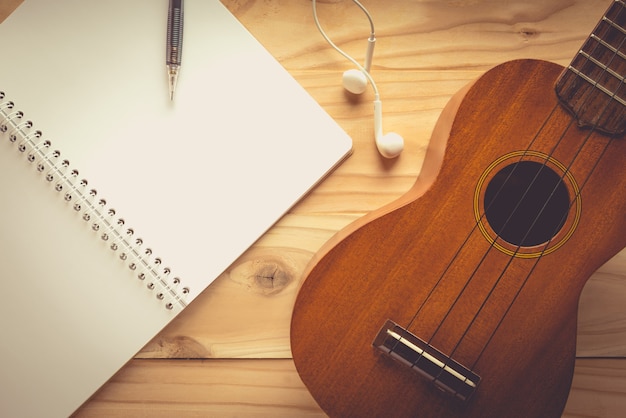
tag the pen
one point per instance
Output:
(174, 48)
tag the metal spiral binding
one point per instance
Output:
(91, 208)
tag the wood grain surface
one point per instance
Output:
(228, 354)
(272, 388)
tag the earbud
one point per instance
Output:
(355, 80)
(389, 145)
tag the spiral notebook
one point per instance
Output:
(118, 206)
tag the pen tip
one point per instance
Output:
(173, 77)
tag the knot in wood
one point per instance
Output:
(267, 275)
(270, 276)
(528, 33)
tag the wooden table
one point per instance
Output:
(228, 354)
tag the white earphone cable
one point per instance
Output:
(369, 17)
(348, 57)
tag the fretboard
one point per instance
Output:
(592, 87)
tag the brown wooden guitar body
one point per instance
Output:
(432, 263)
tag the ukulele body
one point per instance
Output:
(497, 294)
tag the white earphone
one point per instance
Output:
(355, 81)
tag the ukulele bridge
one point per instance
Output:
(445, 373)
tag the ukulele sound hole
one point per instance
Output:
(526, 203)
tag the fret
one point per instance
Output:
(612, 27)
(593, 87)
(594, 83)
(614, 24)
(610, 32)
(607, 46)
(600, 65)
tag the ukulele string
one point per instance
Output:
(444, 274)
(507, 223)
(469, 235)
(493, 242)
(510, 261)
(516, 251)
(545, 248)
(576, 197)
(519, 247)
(498, 281)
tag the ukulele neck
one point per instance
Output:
(592, 87)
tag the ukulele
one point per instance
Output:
(460, 299)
